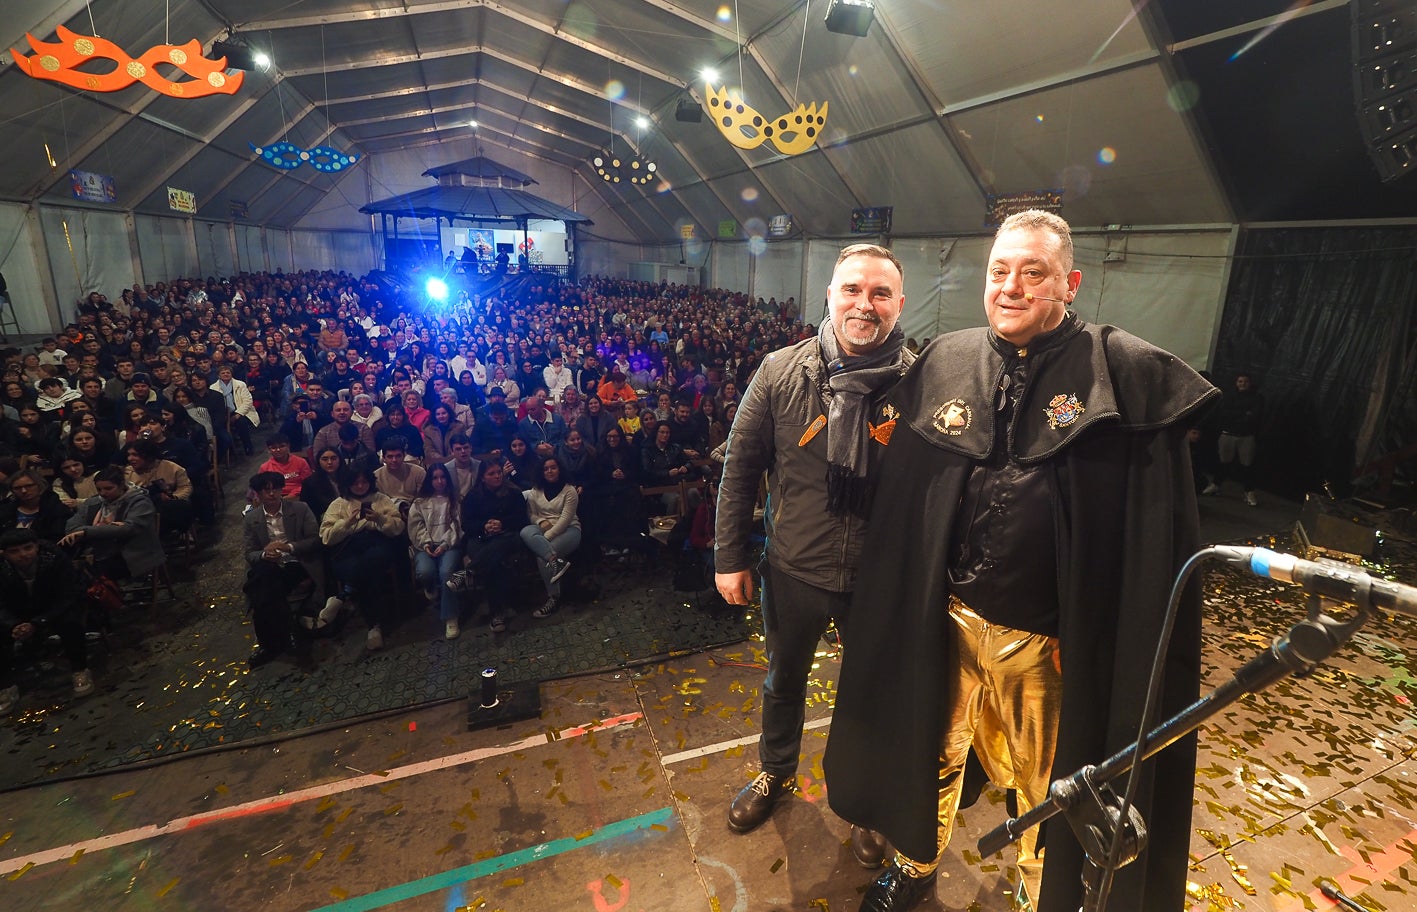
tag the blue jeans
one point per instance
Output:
(433, 572)
(566, 543)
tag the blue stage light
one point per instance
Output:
(437, 289)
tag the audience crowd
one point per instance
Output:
(479, 446)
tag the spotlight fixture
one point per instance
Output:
(238, 55)
(688, 111)
(614, 168)
(850, 17)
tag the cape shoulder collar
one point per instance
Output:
(1087, 376)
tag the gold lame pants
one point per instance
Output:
(1003, 700)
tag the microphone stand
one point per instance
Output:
(1093, 810)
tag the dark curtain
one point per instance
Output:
(1323, 319)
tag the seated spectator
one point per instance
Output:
(166, 482)
(461, 413)
(31, 505)
(351, 447)
(361, 529)
(281, 540)
(595, 421)
(413, 409)
(435, 532)
(240, 405)
(321, 489)
(341, 416)
(40, 594)
(395, 424)
(664, 464)
(615, 509)
(37, 440)
(493, 515)
(73, 483)
(398, 478)
(510, 389)
(492, 438)
(366, 413)
(541, 425)
(630, 423)
(519, 464)
(184, 403)
(577, 460)
(292, 468)
(463, 467)
(84, 445)
(439, 431)
(117, 529)
(300, 425)
(553, 531)
(54, 395)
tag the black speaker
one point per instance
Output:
(688, 111)
(1326, 528)
(850, 17)
(238, 57)
(1385, 82)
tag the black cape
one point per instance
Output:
(1129, 521)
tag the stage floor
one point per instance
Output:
(615, 798)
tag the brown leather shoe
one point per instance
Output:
(869, 847)
(896, 891)
(754, 804)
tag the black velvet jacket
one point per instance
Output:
(1107, 412)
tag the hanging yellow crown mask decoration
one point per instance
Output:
(57, 62)
(747, 129)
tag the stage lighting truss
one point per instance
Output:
(615, 168)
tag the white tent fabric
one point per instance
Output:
(21, 269)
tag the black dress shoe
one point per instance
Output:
(869, 847)
(896, 891)
(262, 656)
(754, 804)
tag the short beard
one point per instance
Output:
(860, 341)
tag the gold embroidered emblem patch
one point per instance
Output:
(953, 417)
(1063, 410)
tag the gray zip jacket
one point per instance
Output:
(777, 431)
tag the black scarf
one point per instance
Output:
(852, 381)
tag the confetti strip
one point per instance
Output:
(436, 882)
(290, 799)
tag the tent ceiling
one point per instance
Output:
(1168, 112)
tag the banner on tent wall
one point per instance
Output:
(728, 228)
(686, 232)
(780, 226)
(999, 206)
(182, 201)
(238, 209)
(96, 188)
(875, 220)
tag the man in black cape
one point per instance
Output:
(1036, 503)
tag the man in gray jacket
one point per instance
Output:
(814, 419)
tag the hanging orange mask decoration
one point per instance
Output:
(58, 62)
(791, 133)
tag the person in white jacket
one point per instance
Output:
(239, 405)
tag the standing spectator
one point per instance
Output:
(1238, 421)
